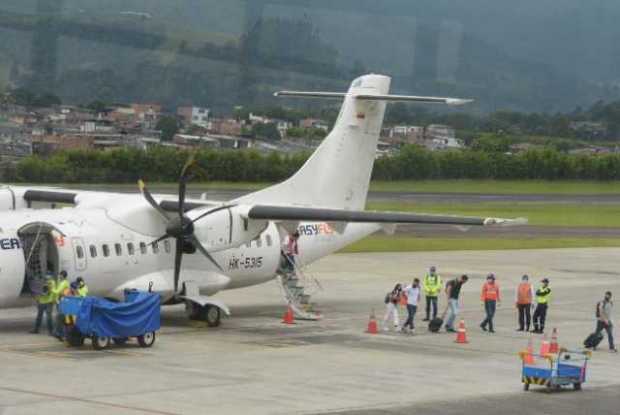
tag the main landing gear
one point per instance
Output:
(211, 314)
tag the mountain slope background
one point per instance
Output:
(530, 55)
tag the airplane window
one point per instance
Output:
(268, 240)
(119, 249)
(259, 242)
(167, 246)
(142, 248)
(79, 251)
(130, 249)
(93, 251)
(155, 248)
(106, 250)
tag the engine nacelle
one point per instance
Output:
(228, 228)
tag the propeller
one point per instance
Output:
(181, 227)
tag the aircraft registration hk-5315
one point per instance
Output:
(189, 249)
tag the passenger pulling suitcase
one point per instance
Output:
(593, 340)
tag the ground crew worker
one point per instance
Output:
(490, 298)
(453, 290)
(524, 298)
(432, 288)
(413, 297)
(391, 307)
(45, 305)
(604, 314)
(543, 296)
(61, 289)
(82, 288)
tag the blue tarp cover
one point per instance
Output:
(105, 318)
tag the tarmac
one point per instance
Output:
(254, 364)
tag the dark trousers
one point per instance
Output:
(46, 309)
(609, 328)
(429, 301)
(489, 307)
(525, 316)
(59, 329)
(540, 315)
(411, 310)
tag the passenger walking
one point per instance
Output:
(45, 306)
(543, 297)
(391, 307)
(604, 321)
(432, 288)
(291, 250)
(523, 301)
(453, 290)
(413, 297)
(490, 298)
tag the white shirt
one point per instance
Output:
(413, 294)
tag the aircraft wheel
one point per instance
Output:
(100, 343)
(212, 315)
(147, 340)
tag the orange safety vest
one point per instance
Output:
(490, 292)
(524, 293)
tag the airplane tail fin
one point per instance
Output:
(337, 174)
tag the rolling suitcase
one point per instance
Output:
(593, 340)
(435, 324)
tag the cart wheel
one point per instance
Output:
(577, 386)
(212, 315)
(100, 343)
(526, 387)
(147, 339)
(120, 341)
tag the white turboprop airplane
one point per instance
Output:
(203, 247)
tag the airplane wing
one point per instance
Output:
(293, 213)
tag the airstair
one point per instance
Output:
(297, 288)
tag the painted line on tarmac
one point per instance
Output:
(87, 401)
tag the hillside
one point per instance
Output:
(529, 56)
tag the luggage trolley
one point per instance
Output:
(567, 367)
(104, 321)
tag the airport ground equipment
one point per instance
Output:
(104, 321)
(554, 370)
(297, 287)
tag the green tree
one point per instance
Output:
(168, 125)
(267, 131)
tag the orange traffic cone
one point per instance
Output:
(554, 347)
(528, 358)
(289, 316)
(372, 323)
(545, 346)
(461, 333)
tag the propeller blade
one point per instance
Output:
(217, 209)
(158, 240)
(178, 257)
(149, 198)
(202, 249)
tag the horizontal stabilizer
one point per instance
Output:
(414, 98)
(293, 213)
(376, 97)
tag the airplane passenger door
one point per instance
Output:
(79, 253)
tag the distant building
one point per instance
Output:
(450, 143)
(194, 115)
(589, 129)
(314, 123)
(439, 131)
(226, 127)
(146, 115)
